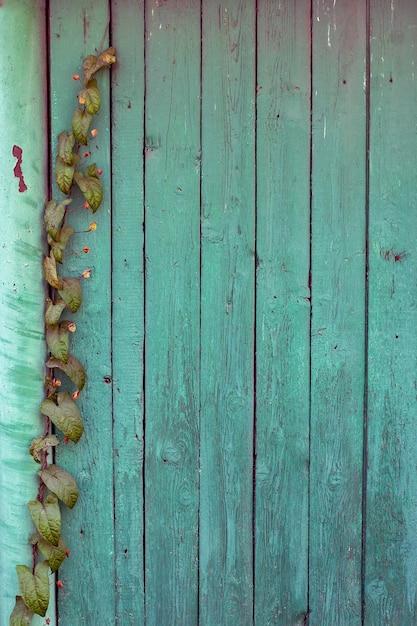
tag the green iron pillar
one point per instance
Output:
(23, 189)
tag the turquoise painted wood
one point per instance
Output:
(76, 29)
(23, 186)
(128, 309)
(282, 313)
(338, 255)
(172, 320)
(391, 575)
(227, 312)
(249, 330)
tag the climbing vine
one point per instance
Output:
(59, 406)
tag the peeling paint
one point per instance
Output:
(17, 170)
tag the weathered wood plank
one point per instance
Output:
(23, 185)
(172, 229)
(76, 29)
(128, 305)
(227, 333)
(338, 310)
(283, 312)
(391, 538)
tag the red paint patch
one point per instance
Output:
(17, 170)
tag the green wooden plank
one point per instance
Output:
(283, 312)
(227, 332)
(391, 544)
(172, 228)
(128, 305)
(76, 29)
(338, 311)
(22, 348)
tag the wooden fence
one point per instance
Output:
(250, 330)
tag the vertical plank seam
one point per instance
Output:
(366, 305)
(49, 174)
(109, 25)
(145, 28)
(310, 285)
(200, 324)
(255, 300)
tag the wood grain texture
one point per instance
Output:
(76, 29)
(128, 306)
(23, 132)
(338, 311)
(283, 312)
(391, 543)
(227, 312)
(172, 228)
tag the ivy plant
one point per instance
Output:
(59, 405)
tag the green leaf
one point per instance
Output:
(65, 415)
(53, 311)
(64, 174)
(57, 339)
(34, 588)
(72, 368)
(93, 64)
(92, 189)
(60, 244)
(91, 97)
(47, 518)
(55, 555)
(54, 214)
(60, 483)
(80, 124)
(91, 170)
(21, 615)
(65, 145)
(39, 444)
(50, 272)
(71, 293)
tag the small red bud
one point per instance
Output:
(86, 205)
(75, 77)
(66, 439)
(99, 172)
(67, 553)
(76, 394)
(94, 132)
(86, 154)
(86, 249)
(59, 584)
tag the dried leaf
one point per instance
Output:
(57, 339)
(34, 588)
(61, 483)
(21, 615)
(80, 124)
(55, 555)
(71, 293)
(91, 97)
(65, 146)
(93, 64)
(92, 189)
(54, 214)
(39, 444)
(65, 415)
(60, 244)
(53, 311)
(47, 518)
(50, 272)
(64, 174)
(72, 368)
